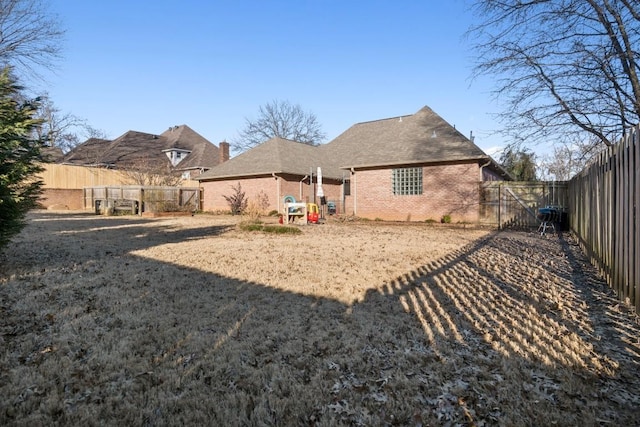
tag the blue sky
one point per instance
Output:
(139, 65)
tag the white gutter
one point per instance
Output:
(353, 191)
(273, 174)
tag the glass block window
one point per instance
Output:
(406, 181)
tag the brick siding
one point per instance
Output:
(276, 190)
(71, 198)
(447, 190)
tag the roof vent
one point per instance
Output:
(400, 121)
(434, 134)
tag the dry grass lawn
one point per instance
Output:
(192, 321)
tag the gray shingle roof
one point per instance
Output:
(203, 153)
(277, 155)
(421, 138)
(133, 146)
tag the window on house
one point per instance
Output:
(406, 181)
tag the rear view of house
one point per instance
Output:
(415, 167)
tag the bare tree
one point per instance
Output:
(30, 37)
(280, 119)
(62, 130)
(563, 67)
(568, 159)
(148, 172)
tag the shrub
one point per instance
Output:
(237, 201)
(279, 229)
(257, 207)
(446, 219)
(247, 226)
(276, 229)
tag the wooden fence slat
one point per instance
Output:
(629, 231)
(636, 280)
(605, 215)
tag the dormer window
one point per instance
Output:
(176, 155)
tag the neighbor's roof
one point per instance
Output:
(134, 146)
(51, 154)
(275, 156)
(423, 137)
(89, 152)
(203, 153)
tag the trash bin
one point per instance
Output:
(331, 208)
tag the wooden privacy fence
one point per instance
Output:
(604, 204)
(513, 204)
(69, 176)
(141, 199)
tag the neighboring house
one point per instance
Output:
(414, 167)
(178, 149)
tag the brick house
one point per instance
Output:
(276, 168)
(415, 167)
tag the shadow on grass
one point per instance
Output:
(472, 338)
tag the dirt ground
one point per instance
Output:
(167, 321)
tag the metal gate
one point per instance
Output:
(511, 204)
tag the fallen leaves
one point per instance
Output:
(373, 325)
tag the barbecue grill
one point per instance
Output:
(548, 216)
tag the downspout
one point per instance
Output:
(354, 191)
(480, 193)
(301, 181)
(273, 174)
(484, 166)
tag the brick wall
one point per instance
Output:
(447, 190)
(214, 191)
(276, 190)
(56, 197)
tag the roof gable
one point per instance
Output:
(204, 154)
(423, 137)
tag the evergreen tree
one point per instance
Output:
(520, 164)
(19, 156)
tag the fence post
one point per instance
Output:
(636, 185)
